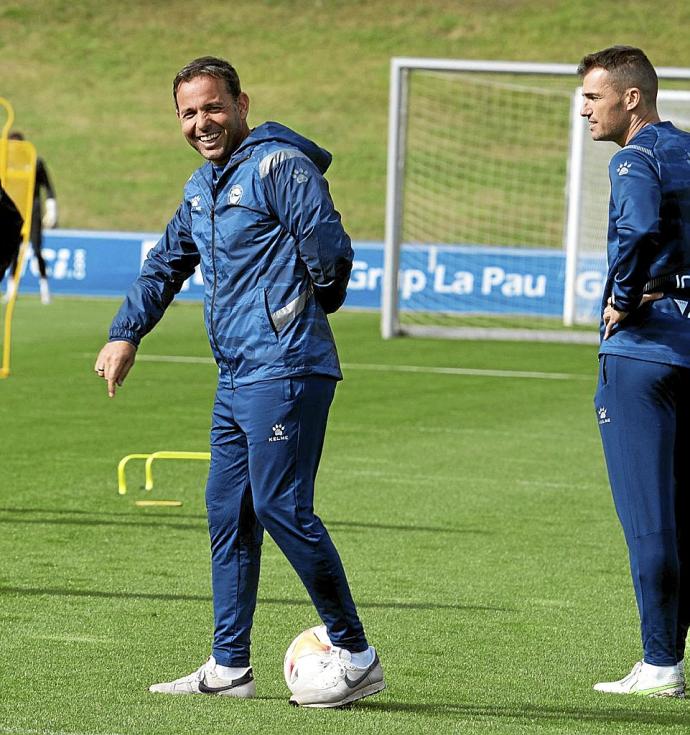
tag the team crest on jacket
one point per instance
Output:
(235, 195)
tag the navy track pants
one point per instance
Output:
(643, 410)
(266, 442)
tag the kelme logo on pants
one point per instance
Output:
(603, 415)
(279, 434)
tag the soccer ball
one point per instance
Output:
(306, 656)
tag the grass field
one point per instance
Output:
(470, 507)
(463, 483)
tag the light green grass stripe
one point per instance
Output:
(465, 371)
(427, 369)
(26, 731)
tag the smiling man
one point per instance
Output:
(213, 116)
(643, 395)
(275, 260)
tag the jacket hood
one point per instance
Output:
(276, 133)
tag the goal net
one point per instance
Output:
(482, 239)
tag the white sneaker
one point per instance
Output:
(206, 680)
(340, 682)
(646, 680)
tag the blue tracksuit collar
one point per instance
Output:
(276, 133)
(270, 132)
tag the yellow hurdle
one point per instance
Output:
(121, 480)
(148, 470)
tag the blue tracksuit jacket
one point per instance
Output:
(274, 258)
(649, 238)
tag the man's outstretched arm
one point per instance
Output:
(165, 269)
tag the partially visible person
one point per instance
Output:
(643, 395)
(10, 231)
(44, 214)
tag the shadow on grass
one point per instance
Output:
(532, 713)
(390, 527)
(114, 595)
(94, 520)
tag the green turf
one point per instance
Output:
(90, 81)
(472, 513)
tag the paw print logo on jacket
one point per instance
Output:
(624, 168)
(300, 175)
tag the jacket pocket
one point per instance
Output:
(285, 315)
(270, 324)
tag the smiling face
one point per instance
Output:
(212, 120)
(608, 110)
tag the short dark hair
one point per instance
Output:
(210, 66)
(628, 67)
(15, 135)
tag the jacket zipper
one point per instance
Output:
(214, 189)
(215, 284)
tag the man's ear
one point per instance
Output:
(243, 105)
(632, 98)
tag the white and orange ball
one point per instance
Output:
(307, 655)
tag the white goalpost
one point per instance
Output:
(497, 200)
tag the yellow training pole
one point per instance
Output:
(9, 111)
(9, 114)
(9, 313)
(18, 175)
(169, 455)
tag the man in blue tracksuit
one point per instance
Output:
(275, 259)
(643, 396)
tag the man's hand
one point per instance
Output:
(113, 363)
(612, 317)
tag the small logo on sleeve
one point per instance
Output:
(624, 168)
(300, 175)
(279, 434)
(682, 305)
